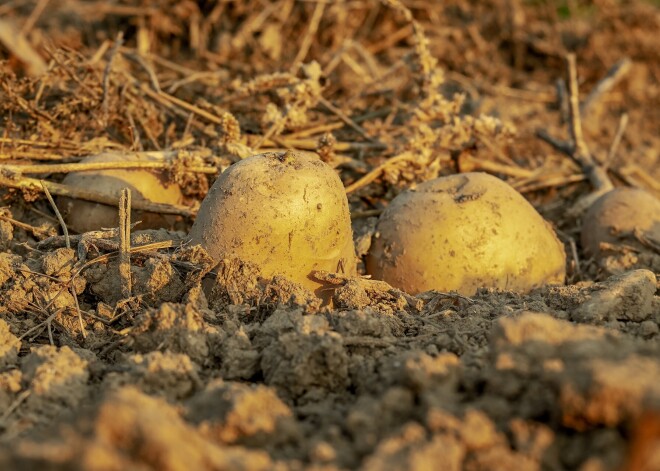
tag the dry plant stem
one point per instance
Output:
(581, 151)
(311, 144)
(630, 171)
(318, 129)
(562, 146)
(106, 74)
(607, 83)
(54, 145)
(562, 99)
(60, 219)
(275, 128)
(577, 148)
(35, 230)
(21, 48)
(309, 36)
(167, 99)
(18, 154)
(495, 167)
(376, 172)
(100, 52)
(48, 320)
(72, 289)
(32, 184)
(597, 175)
(81, 167)
(72, 75)
(341, 115)
(517, 25)
(576, 258)
(620, 130)
(390, 40)
(548, 182)
(511, 169)
(22, 396)
(55, 242)
(139, 60)
(34, 16)
(125, 242)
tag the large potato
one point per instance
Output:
(145, 184)
(286, 212)
(463, 232)
(624, 217)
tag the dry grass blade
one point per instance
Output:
(376, 172)
(309, 36)
(125, 243)
(60, 219)
(15, 41)
(106, 75)
(607, 83)
(89, 166)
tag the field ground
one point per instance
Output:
(259, 376)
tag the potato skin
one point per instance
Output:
(621, 211)
(84, 216)
(286, 212)
(463, 232)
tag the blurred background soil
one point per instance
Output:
(262, 377)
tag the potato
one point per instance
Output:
(618, 218)
(286, 212)
(463, 232)
(145, 184)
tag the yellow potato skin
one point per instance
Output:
(84, 216)
(463, 232)
(622, 211)
(286, 212)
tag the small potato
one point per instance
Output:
(84, 216)
(286, 212)
(618, 218)
(463, 232)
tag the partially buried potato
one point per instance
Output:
(285, 212)
(145, 184)
(621, 229)
(463, 232)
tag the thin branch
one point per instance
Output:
(106, 75)
(607, 83)
(34, 16)
(620, 130)
(125, 243)
(35, 230)
(92, 166)
(562, 146)
(309, 36)
(18, 45)
(581, 151)
(376, 172)
(577, 148)
(60, 219)
(346, 119)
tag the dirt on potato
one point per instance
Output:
(141, 353)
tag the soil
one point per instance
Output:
(213, 367)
